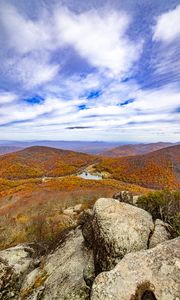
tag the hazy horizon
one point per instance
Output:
(98, 71)
(84, 141)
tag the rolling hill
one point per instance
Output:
(136, 149)
(40, 161)
(158, 169)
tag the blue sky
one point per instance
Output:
(90, 70)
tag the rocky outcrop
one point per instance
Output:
(58, 275)
(160, 234)
(15, 264)
(9, 282)
(119, 228)
(65, 270)
(113, 237)
(154, 272)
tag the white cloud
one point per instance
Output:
(152, 110)
(100, 38)
(30, 43)
(31, 70)
(52, 109)
(22, 34)
(164, 99)
(7, 97)
(167, 28)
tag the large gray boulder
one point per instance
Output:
(151, 274)
(119, 228)
(160, 234)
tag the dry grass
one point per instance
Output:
(33, 211)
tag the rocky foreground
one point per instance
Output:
(117, 253)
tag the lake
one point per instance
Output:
(87, 175)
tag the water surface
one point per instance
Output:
(87, 175)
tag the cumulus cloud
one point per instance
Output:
(23, 34)
(167, 28)
(100, 38)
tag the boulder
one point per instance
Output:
(160, 234)
(124, 196)
(145, 275)
(58, 275)
(22, 257)
(118, 228)
(64, 270)
(15, 263)
(78, 208)
(69, 211)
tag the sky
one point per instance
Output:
(90, 70)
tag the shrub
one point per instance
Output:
(164, 205)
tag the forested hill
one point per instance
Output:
(42, 161)
(158, 169)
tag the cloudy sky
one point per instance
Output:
(90, 70)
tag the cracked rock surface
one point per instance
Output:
(155, 271)
(119, 228)
(15, 264)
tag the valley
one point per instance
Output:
(89, 150)
(38, 184)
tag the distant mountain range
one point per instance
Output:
(79, 146)
(109, 149)
(8, 149)
(136, 149)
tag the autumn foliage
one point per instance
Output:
(39, 161)
(27, 204)
(158, 169)
(33, 209)
(135, 149)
